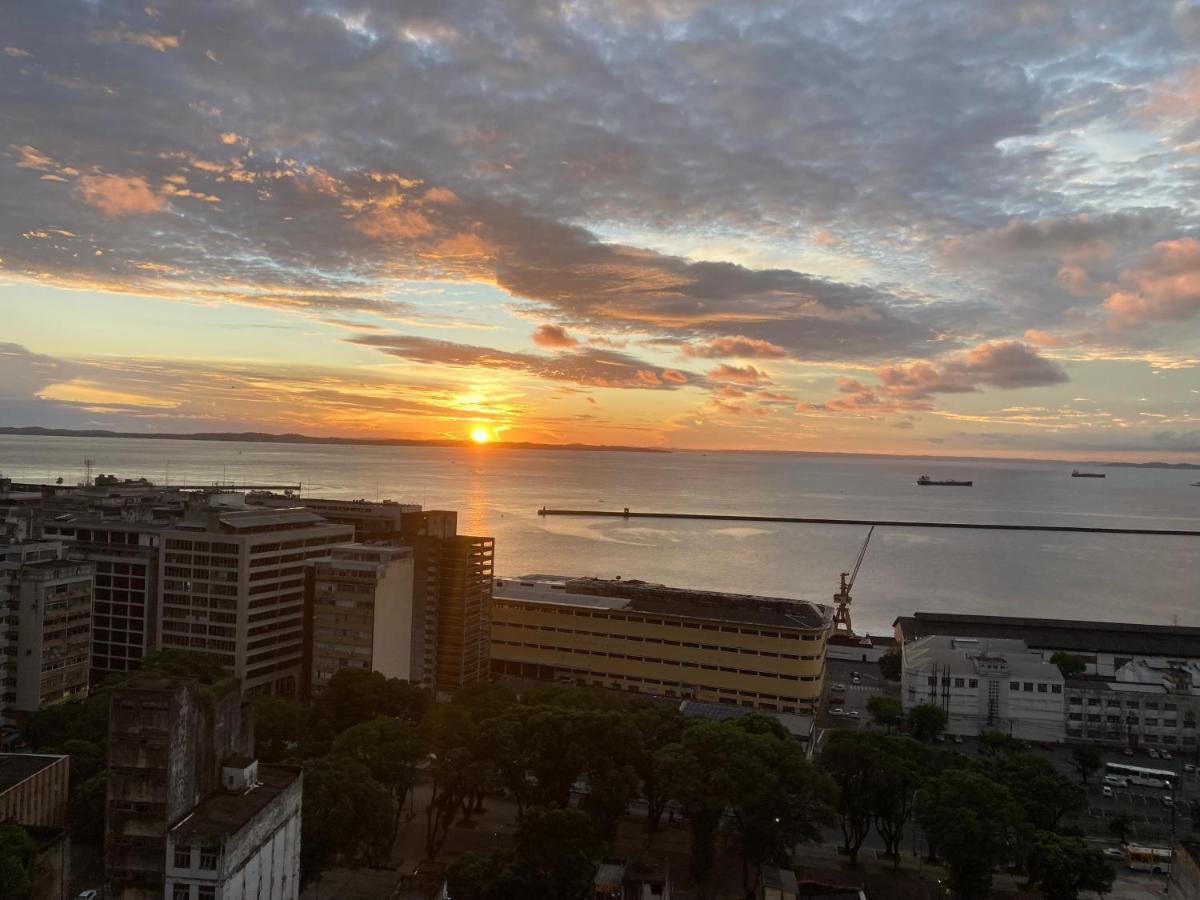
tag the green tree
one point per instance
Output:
(1069, 664)
(1046, 795)
(87, 803)
(359, 695)
(184, 664)
(347, 816)
(890, 664)
(997, 743)
(1064, 866)
(1087, 761)
(560, 848)
(392, 750)
(885, 711)
(16, 862)
(973, 821)
(1121, 827)
(656, 726)
(280, 725)
(926, 721)
(852, 760)
(450, 737)
(896, 784)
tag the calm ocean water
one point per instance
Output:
(497, 492)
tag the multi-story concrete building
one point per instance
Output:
(1104, 647)
(1153, 704)
(47, 626)
(33, 789)
(232, 586)
(358, 613)
(984, 685)
(728, 648)
(125, 558)
(168, 739)
(452, 577)
(243, 841)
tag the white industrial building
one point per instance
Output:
(985, 685)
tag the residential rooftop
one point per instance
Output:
(658, 599)
(940, 649)
(1059, 634)
(18, 767)
(224, 813)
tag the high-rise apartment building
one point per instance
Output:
(738, 649)
(46, 633)
(232, 586)
(452, 578)
(125, 558)
(358, 613)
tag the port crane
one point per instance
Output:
(841, 614)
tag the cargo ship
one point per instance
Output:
(1077, 474)
(926, 481)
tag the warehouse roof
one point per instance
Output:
(658, 599)
(18, 767)
(1059, 634)
(224, 813)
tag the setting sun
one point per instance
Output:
(481, 435)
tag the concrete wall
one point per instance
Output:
(392, 638)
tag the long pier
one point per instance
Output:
(897, 523)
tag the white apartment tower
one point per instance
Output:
(232, 585)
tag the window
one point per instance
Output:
(973, 683)
(1042, 687)
(1014, 685)
(1029, 687)
(207, 892)
(183, 856)
(208, 858)
(960, 682)
(181, 892)
(1056, 688)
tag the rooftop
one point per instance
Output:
(17, 767)
(658, 599)
(224, 813)
(1060, 634)
(960, 654)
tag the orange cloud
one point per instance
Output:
(1040, 338)
(554, 336)
(151, 40)
(118, 195)
(1165, 286)
(735, 345)
(739, 374)
(395, 224)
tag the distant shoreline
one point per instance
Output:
(262, 437)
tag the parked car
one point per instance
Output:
(1114, 852)
(1152, 753)
(853, 713)
(854, 679)
(1168, 801)
(958, 739)
(1164, 754)
(1128, 751)
(1188, 767)
(839, 687)
(1107, 791)
(88, 895)
(853, 674)
(1116, 780)
(837, 711)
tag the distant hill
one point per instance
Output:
(261, 437)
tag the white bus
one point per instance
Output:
(1155, 778)
(1148, 859)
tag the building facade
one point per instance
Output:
(232, 586)
(47, 626)
(985, 685)
(725, 648)
(125, 558)
(168, 738)
(464, 610)
(33, 789)
(358, 613)
(243, 841)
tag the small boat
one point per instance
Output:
(1196, 484)
(926, 481)
(1075, 473)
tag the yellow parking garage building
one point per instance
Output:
(741, 649)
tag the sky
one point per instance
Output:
(937, 227)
